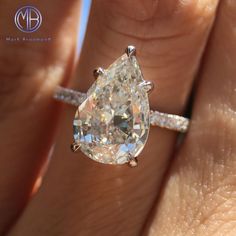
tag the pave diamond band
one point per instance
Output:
(113, 118)
(163, 120)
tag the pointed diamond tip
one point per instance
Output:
(133, 162)
(98, 71)
(148, 86)
(75, 147)
(130, 51)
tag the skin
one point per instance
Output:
(183, 46)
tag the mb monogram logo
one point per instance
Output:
(28, 19)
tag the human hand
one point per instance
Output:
(189, 191)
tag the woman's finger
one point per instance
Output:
(199, 197)
(29, 71)
(96, 199)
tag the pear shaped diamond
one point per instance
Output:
(111, 126)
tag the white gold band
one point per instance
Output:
(163, 120)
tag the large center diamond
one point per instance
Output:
(112, 124)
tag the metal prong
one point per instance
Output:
(75, 147)
(130, 51)
(148, 86)
(98, 71)
(133, 162)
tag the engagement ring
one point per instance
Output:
(113, 118)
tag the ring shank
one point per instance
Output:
(163, 120)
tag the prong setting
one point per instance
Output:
(130, 51)
(97, 72)
(148, 86)
(133, 162)
(75, 147)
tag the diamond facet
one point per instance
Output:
(112, 124)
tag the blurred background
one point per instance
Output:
(83, 21)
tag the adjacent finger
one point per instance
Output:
(96, 199)
(199, 197)
(29, 72)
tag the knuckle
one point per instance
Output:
(157, 19)
(24, 72)
(10, 80)
(13, 74)
(18, 74)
